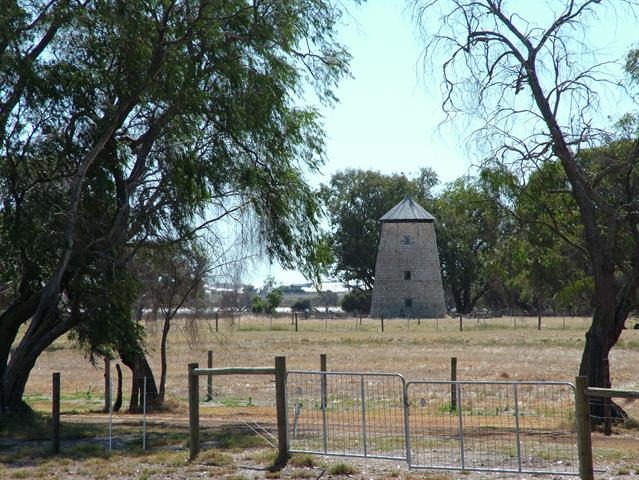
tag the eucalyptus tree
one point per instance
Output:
(470, 229)
(125, 122)
(532, 83)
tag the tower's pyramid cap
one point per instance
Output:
(408, 210)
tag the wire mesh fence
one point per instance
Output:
(349, 414)
(526, 427)
(334, 322)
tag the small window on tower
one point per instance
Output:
(408, 302)
(406, 274)
(406, 239)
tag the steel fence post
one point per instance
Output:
(461, 425)
(363, 395)
(110, 415)
(407, 424)
(517, 427)
(55, 412)
(323, 396)
(144, 417)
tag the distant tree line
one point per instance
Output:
(497, 244)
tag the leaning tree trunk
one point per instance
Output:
(163, 368)
(140, 369)
(607, 324)
(43, 329)
(118, 398)
(11, 319)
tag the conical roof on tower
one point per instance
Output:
(408, 210)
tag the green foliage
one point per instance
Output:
(342, 469)
(258, 305)
(274, 299)
(355, 200)
(124, 123)
(357, 301)
(471, 235)
(269, 304)
(301, 305)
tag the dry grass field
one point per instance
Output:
(487, 349)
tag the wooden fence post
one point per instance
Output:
(461, 327)
(107, 383)
(209, 378)
(194, 412)
(584, 441)
(382, 323)
(453, 387)
(280, 404)
(55, 413)
(296, 321)
(323, 384)
(217, 312)
(538, 319)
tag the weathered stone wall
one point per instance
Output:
(421, 258)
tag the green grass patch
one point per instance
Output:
(236, 402)
(342, 469)
(263, 456)
(307, 461)
(230, 440)
(37, 426)
(88, 450)
(215, 457)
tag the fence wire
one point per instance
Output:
(524, 427)
(502, 426)
(348, 414)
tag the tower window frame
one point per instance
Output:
(407, 240)
(408, 302)
(407, 275)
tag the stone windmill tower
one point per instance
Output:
(408, 279)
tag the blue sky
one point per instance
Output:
(389, 114)
(387, 117)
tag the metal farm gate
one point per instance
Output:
(519, 427)
(347, 414)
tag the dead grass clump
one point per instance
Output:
(263, 456)
(169, 458)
